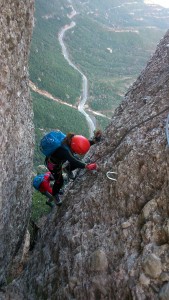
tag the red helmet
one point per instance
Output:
(79, 144)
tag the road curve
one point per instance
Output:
(84, 78)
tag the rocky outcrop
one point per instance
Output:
(110, 239)
(16, 20)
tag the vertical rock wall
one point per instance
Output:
(16, 20)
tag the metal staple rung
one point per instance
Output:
(167, 129)
(109, 176)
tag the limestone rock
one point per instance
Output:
(144, 280)
(16, 20)
(152, 266)
(98, 261)
(164, 293)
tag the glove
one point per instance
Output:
(97, 136)
(91, 166)
(51, 177)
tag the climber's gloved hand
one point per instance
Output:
(91, 166)
(97, 136)
(51, 177)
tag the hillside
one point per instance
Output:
(110, 240)
(124, 34)
(111, 43)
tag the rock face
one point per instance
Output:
(110, 240)
(16, 21)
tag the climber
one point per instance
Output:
(41, 183)
(70, 147)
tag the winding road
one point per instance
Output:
(84, 81)
(84, 78)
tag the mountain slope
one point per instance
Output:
(110, 43)
(110, 240)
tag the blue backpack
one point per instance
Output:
(37, 181)
(51, 141)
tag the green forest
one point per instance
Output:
(47, 66)
(110, 43)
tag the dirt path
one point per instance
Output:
(48, 95)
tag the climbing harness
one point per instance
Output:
(167, 129)
(111, 175)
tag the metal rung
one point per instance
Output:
(109, 175)
(167, 129)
